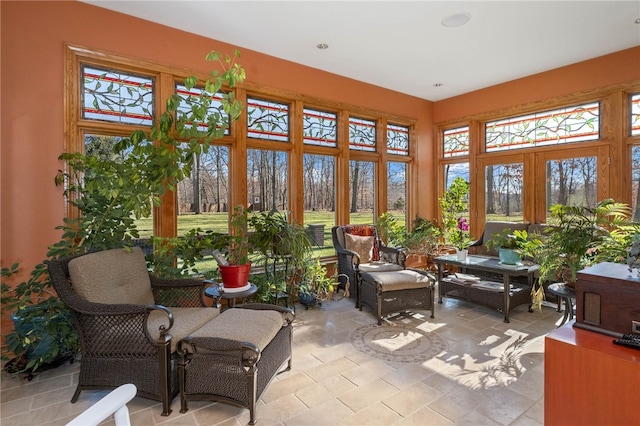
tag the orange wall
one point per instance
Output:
(33, 37)
(618, 67)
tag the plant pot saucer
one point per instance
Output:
(236, 289)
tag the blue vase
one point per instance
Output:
(509, 256)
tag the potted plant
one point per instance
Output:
(316, 286)
(283, 248)
(273, 234)
(423, 241)
(573, 236)
(513, 246)
(109, 191)
(43, 332)
(190, 248)
(455, 227)
(235, 270)
(389, 230)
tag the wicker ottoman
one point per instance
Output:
(233, 358)
(388, 292)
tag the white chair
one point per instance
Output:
(114, 403)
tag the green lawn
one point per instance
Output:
(218, 222)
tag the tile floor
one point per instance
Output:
(490, 374)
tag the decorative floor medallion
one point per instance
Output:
(397, 343)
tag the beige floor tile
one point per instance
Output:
(367, 394)
(330, 369)
(367, 372)
(424, 416)
(405, 375)
(490, 373)
(286, 386)
(332, 387)
(331, 412)
(377, 414)
(411, 399)
(454, 404)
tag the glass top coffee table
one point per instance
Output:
(485, 289)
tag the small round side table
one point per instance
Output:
(568, 296)
(230, 296)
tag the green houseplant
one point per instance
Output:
(573, 236)
(513, 246)
(109, 191)
(283, 248)
(316, 286)
(453, 205)
(421, 242)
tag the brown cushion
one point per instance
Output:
(244, 325)
(361, 245)
(112, 277)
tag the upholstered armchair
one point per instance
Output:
(359, 249)
(128, 321)
(161, 337)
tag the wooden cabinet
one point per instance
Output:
(588, 380)
(607, 299)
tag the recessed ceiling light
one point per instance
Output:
(322, 46)
(456, 20)
(637, 21)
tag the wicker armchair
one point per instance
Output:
(129, 322)
(359, 249)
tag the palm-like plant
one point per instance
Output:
(574, 235)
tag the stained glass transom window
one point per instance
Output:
(267, 120)
(456, 142)
(319, 127)
(115, 96)
(362, 134)
(635, 114)
(214, 112)
(397, 139)
(572, 124)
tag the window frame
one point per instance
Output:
(165, 222)
(612, 151)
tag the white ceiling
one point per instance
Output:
(402, 45)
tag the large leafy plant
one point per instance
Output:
(109, 192)
(574, 236)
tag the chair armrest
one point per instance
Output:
(121, 328)
(178, 292)
(397, 255)
(477, 242)
(214, 348)
(432, 277)
(350, 255)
